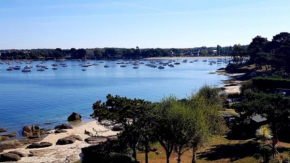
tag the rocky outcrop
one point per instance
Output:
(3, 130)
(59, 131)
(40, 145)
(8, 136)
(18, 153)
(74, 117)
(31, 131)
(9, 157)
(69, 140)
(95, 139)
(63, 126)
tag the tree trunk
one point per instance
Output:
(194, 150)
(146, 153)
(168, 157)
(179, 158)
(134, 155)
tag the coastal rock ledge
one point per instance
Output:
(74, 117)
(31, 131)
(10, 157)
(69, 140)
(63, 126)
(3, 130)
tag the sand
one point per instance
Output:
(63, 153)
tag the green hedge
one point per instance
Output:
(271, 84)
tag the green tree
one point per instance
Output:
(258, 45)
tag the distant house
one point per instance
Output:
(67, 56)
(257, 121)
(196, 52)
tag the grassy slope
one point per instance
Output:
(219, 150)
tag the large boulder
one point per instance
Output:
(74, 117)
(58, 131)
(3, 130)
(9, 157)
(63, 126)
(31, 131)
(95, 139)
(68, 140)
(18, 153)
(40, 145)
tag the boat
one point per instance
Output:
(171, 65)
(123, 66)
(83, 69)
(177, 63)
(135, 67)
(106, 66)
(160, 67)
(9, 69)
(26, 69)
(16, 67)
(40, 69)
(54, 68)
(184, 61)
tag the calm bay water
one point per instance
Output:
(52, 95)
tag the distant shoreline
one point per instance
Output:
(187, 57)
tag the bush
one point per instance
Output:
(111, 151)
(270, 84)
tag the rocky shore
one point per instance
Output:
(62, 145)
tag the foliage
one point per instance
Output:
(178, 125)
(270, 84)
(275, 107)
(111, 151)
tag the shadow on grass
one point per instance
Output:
(231, 151)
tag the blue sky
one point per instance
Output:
(26, 24)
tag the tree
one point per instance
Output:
(275, 107)
(81, 53)
(98, 53)
(207, 103)
(134, 115)
(238, 54)
(258, 45)
(219, 50)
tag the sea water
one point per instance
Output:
(52, 95)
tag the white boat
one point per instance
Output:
(40, 69)
(16, 67)
(26, 69)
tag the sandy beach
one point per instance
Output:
(189, 57)
(233, 85)
(63, 153)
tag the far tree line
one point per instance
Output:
(111, 53)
